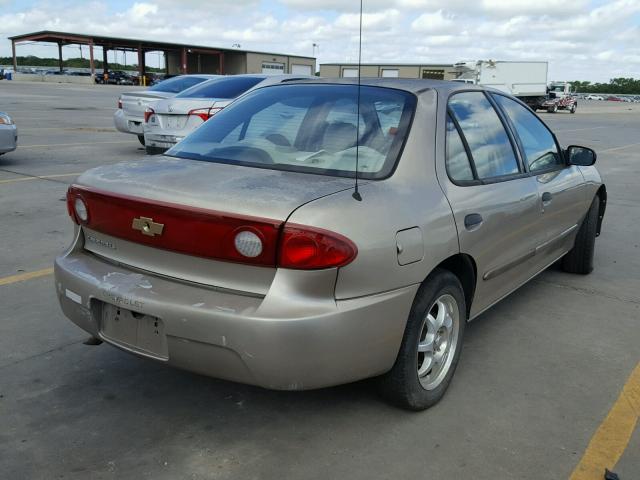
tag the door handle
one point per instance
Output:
(546, 198)
(472, 221)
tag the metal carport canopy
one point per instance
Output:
(112, 43)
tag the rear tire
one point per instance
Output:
(574, 107)
(431, 344)
(580, 258)
(141, 139)
(552, 109)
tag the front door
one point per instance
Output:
(495, 203)
(563, 200)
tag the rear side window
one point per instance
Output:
(225, 87)
(458, 165)
(177, 84)
(491, 149)
(540, 149)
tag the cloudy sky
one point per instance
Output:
(582, 39)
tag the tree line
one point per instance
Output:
(33, 61)
(629, 86)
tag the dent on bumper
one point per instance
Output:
(297, 337)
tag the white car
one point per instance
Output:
(131, 105)
(8, 134)
(170, 120)
(595, 97)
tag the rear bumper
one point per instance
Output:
(127, 124)
(161, 141)
(8, 138)
(296, 337)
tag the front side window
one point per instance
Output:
(488, 141)
(309, 128)
(540, 149)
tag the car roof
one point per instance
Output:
(410, 85)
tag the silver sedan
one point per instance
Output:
(318, 233)
(129, 117)
(169, 121)
(8, 134)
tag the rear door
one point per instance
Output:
(563, 200)
(495, 203)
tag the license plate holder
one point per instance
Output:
(134, 331)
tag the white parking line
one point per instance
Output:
(618, 148)
(50, 145)
(579, 129)
(39, 177)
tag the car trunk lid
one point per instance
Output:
(135, 103)
(191, 208)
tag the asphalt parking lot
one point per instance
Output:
(540, 376)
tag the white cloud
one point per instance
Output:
(380, 20)
(580, 38)
(434, 23)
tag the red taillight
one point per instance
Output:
(310, 248)
(119, 103)
(208, 233)
(147, 113)
(204, 113)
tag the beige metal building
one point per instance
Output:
(440, 71)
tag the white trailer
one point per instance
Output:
(525, 80)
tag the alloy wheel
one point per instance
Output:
(438, 341)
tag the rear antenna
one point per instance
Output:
(356, 193)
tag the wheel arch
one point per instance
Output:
(463, 266)
(602, 195)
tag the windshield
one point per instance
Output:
(309, 128)
(177, 84)
(224, 87)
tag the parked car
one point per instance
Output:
(129, 117)
(595, 97)
(115, 77)
(247, 253)
(170, 120)
(8, 134)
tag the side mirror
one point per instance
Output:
(581, 156)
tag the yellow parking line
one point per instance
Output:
(21, 277)
(610, 440)
(618, 148)
(40, 177)
(48, 145)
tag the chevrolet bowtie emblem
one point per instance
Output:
(147, 226)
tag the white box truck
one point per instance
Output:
(525, 80)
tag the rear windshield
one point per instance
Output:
(310, 128)
(226, 87)
(177, 84)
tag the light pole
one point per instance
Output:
(315, 45)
